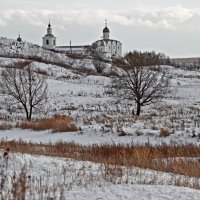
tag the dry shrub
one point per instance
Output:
(114, 170)
(5, 125)
(139, 133)
(20, 64)
(19, 186)
(59, 123)
(122, 133)
(153, 114)
(41, 71)
(112, 173)
(164, 132)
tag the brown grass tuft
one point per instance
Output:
(59, 123)
(164, 132)
(5, 125)
(139, 133)
(122, 133)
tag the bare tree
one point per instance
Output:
(141, 79)
(24, 87)
(99, 65)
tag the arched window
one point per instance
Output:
(54, 42)
(47, 42)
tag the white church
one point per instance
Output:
(107, 47)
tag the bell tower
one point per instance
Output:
(49, 40)
(106, 32)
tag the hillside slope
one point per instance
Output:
(10, 48)
(89, 100)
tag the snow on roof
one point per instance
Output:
(72, 48)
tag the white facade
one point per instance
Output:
(108, 47)
(78, 50)
(49, 40)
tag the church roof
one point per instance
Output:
(107, 40)
(106, 30)
(51, 35)
(19, 39)
(74, 47)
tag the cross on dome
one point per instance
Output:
(106, 22)
(49, 25)
(106, 30)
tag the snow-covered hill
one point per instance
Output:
(89, 100)
(79, 180)
(86, 96)
(13, 49)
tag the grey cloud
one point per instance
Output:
(152, 17)
(157, 17)
(169, 29)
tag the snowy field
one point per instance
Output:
(88, 99)
(78, 180)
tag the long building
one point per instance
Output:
(105, 47)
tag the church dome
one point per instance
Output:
(49, 34)
(106, 30)
(19, 39)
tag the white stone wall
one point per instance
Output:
(112, 47)
(106, 46)
(49, 30)
(49, 42)
(106, 35)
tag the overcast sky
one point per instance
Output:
(169, 26)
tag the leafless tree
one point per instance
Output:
(95, 53)
(141, 79)
(24, 87)
(99, 65)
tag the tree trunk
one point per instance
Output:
(138, 109)
(30, 113)
(27, 115)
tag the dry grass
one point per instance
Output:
(122, 133)
(139, 133)
(5, 125)
(167, 158)
(59, 123)
(19, 186)
(164, 132)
